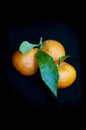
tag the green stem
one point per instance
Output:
(40, 43)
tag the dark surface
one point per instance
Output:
(30, 93)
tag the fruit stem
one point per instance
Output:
(40, 43)
(60, 64)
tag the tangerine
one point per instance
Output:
(26, 63)
(67, 75)
(54, 48)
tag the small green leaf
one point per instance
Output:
(25, 46)
(62, 58)
(49, 71)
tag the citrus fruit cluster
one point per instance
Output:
(27, 63)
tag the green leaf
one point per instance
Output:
(62, 58)
(26, 46)
(49, 71)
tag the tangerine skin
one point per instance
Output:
(26, 63)
(67, 75)
(54, 48)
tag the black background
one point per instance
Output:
(11, 100)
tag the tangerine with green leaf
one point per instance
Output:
(24, 60)
(54, 48)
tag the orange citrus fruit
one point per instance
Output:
(67, 75)
(54, 48)
(26, 63)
